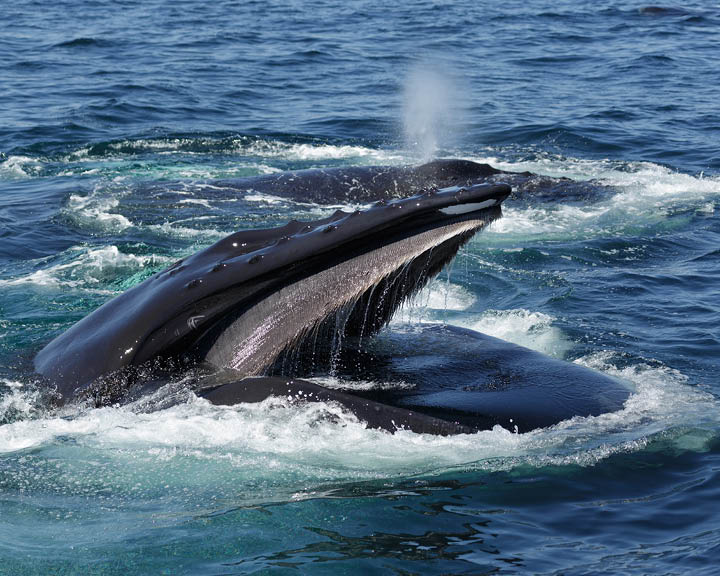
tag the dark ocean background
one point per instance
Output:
(113, 115)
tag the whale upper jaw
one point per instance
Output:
(192, 302)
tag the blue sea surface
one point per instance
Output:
(115, 114)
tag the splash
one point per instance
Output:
(203, 157)
(533, 330)
(94, 212)
(287, 444)
(19, 167)
(645, 196)
(86, 268)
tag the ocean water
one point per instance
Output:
(114, 114)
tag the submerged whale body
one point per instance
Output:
(359, 184)
(363, 184)
(247, 307)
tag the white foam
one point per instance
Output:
(708, 208)
(533, 330)
(441, 294)
(360, 385)
(126, 158)
(81, 172)
(85, 268)
(41, 278)
(18, 402)
(94, 210)
(646, 193)
(250, 147)
(19, 167)
(173, 230)
(281, 438)
(271, 148)
(273, 447)
(662, 401)
(430, 304)
(552, 222)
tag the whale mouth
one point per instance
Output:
(356, 289)
(244, 300)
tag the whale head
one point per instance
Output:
(246, 299)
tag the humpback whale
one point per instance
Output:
(251, 309)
